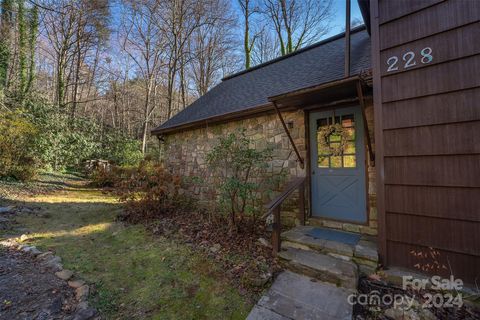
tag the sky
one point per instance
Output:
(338, 15)
(338, 23)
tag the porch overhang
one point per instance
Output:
(331, 94)
(335, 91)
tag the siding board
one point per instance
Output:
(425, 231)
(438, 109)
(441, 202)
(447, 139)
(446, 171)
(462, 266)
(450, 45)
(462, 74)
(399, 8)
(441, 17)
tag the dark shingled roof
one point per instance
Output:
(319, 63)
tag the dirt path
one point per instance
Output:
(29, 290)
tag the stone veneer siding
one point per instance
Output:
(184, 153)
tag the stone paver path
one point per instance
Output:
(294, 296)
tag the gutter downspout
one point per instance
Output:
(299, 157)
(347, 39)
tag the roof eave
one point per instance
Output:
(313, 89)
(257, 109)
(215, 120)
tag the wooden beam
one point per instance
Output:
(299, 157)
(365, 123)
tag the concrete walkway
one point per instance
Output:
(294, 296)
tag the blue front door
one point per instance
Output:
(338, 165)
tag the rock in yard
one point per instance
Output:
(76, 283)
(397, 314)
(409, 314)
(56, 306)
(261, 280)
(4, 220)
(54, 262)
(26, 210)
(45, 255)
(9, 209)
(215, 248)
(23, 237)
(64, 274)
(85, 314)
(82, 305)
(264, 242)
(82, 293)
(32, 250)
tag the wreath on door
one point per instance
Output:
(324, 134)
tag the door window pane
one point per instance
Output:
(335, 138)
(324, 144)
(349, 162)
(323, 161)
(336, 162)
(349, 148)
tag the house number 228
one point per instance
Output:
(409, 59)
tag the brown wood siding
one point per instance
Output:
(428, 122)
(462, 74)
(442, 202)
(449, 45)
(405, 228)
(441, 17)
(444, 139)
(400, 8)
(442, 108)
(411, 256)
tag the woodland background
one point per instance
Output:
(84, 79)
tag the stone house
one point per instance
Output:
(236, 104)
(375, 120)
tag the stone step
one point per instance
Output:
(320, 266)
(299, 235)
(364, 253)
(294, 296)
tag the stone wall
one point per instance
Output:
(185, 154)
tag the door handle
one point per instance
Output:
(313, 172)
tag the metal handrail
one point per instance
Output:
(275, 206)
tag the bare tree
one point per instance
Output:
(249, 8)
(267, 47)
(212, 47)
(144, 42)
(298, 22)
(74, 30)
(179, 20)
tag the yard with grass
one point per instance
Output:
(133, 273)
